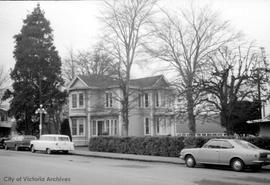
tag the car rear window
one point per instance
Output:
(246, 144)
(61, 138)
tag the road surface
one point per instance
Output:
(25, 168)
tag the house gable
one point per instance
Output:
(161, 83)
(78, 84)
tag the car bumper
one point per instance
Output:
(260, 162)
(182, 157)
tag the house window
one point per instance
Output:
(81, 127)
(139, 100)
(111, 127)
(107, 127)
(157, 125)
(74, 127)
(146, 126)
(78, 126)
(81, 100)
(74, 100)
(157, 99)
(146, 100)
(109, 100)
(115, 127)
(94, 128)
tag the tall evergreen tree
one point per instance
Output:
(37, 72)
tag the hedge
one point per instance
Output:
(158, 146)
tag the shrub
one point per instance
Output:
(156, 146)
(159, 145)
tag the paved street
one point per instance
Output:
(38, 168)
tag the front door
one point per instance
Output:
(100, 127)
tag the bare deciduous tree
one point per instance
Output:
(126, 23)
(96, 62)
(230, 79)
(185, 40)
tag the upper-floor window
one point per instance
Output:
(146, 100)
(81, 102)
(77, 100)
(139, 100)
(157, 99)
(108, 99)
(74, 100)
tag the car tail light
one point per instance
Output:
(263, 155)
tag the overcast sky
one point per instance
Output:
(77, 24)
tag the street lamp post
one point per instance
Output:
(40, 111)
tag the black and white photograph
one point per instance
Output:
(135, 92)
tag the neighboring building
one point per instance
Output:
(95, 109)
(264, 123)
(209, 125)
(7, 124)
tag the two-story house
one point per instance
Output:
(95, 108)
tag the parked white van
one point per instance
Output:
(52, 143)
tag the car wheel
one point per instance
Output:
(33, 149)
(190, 161)
(6, 147)
(256, 168)
(237, 165)
(48, 151)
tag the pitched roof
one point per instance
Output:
(98, 81)
(149, 82)
(106, 81)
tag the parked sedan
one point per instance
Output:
(233, 152)
(52, 143)
(19, 142)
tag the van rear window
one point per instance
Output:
(63, 138)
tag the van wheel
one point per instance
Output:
(237, 165)
(190, 161)
(48, 151)
(33, 149)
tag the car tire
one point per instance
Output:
(237, 165)
(6, 147)
(256, 168)
(48, 151)
(33, 149)
(190, 161)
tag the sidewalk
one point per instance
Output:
(83, 151)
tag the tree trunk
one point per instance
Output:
(125, 114)
(190, 110)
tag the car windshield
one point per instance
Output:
(246, 144)
(63, 139)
